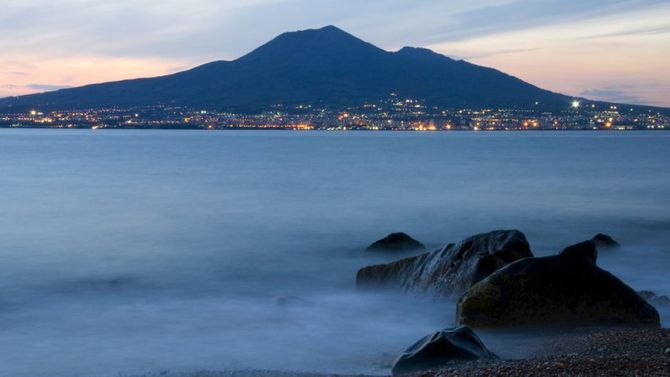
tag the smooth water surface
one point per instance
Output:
(141, 251)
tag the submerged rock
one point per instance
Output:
(654, 299)
(440, 349)
(396, 242)
(563, 289)
(604, 241)
(452, 269)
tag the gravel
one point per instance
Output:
(635, 352)
(604, 353)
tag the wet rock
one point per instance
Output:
(384, 361)
(396, 242)
(654, 299)
(602, 240)
(563, 289)
(452, 269)
(441, 349)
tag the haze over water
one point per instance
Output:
(141, 251)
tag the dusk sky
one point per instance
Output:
(615, 50)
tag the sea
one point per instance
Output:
(138, 252)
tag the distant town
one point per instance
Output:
(392, 114)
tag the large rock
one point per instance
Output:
(602, 240)
(452, 269)
(440, 349)
(396, 242)
(658, 301)
(563, 289)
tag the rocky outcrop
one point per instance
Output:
(440, 349)
(659, 301)
(564, 289)
(602, 240)
(452, 269)
(396, 242)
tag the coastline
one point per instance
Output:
(206, 128)
(599, 353)
(611, 352)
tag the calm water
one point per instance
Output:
(141, 251)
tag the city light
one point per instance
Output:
(383, 115)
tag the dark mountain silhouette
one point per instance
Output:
(325, 67)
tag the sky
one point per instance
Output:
(613, 50)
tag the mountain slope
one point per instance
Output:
(326, 67)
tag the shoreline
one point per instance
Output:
(606, 352)
(205, 128)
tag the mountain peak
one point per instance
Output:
(330, 29)
(326, 34)
(328, 40)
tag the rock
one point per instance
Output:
(654, 299)
(440, 349)
(384, 361)
(667, 352)
(563, 289)
(604, 241)
(396, 242)
(452, 269)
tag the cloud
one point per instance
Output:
(56, 73)
(526, 14)
(500, 52)
(206, 29)
(14, 89)
(613, 95)
(634, 32)
(126, 28)
(47, 87)
(43, 38)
